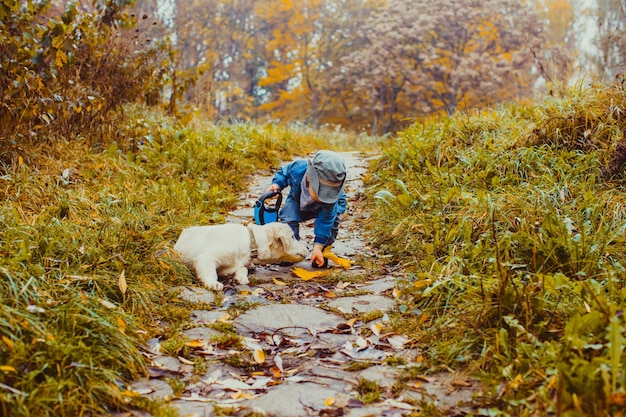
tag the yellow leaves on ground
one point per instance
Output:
(7, 368)
(259, 356)
(306, 275)
(342, 262)
(278, 282)
(196, 343)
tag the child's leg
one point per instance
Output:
(290, 214)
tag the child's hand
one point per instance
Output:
(317, 259)
(273, 187)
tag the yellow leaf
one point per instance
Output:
(396, 293)
(8, 342)
(351, 322)
(422, 283)
(309, 275)
(342, 262)
(259, 356)
(60, 59)
(196, 343)
(223, 318)
(240, 395)
(328, 402)
(376, 328)
(128, 393)
(122, 282)
(278, 282)
(121, 324)
(330, 294)
(7, 368)
(20, 160)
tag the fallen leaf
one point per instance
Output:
(7, 368)
(278, 282)
(185, 361)
(31, 308)
(328, 402)
(342, 262)
(262, 382)
(276, 373)
(397, 341)
(122, 282)
(461, 384)
(108, 304)
(223, 318)
(278, 360)
(361, 343)
(422, 283)
(396, 293)
(121, 324)
(376, 328)
(400, 405)
(309, 275)
(196, 343)
(257, 292)
(242, 396)
(233, 384)
(259, 356)
(8, 342)
(330, 294)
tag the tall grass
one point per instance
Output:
(76, 222)
(511, 236)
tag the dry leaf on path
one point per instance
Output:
(342, 262)
(278, 282)
(259, 356)
(309, 275)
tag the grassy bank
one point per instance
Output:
(508, 226)
(85, 260)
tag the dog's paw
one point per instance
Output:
(214, 285)
(241, 276)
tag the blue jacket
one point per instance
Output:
(291, 175)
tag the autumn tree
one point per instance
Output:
(305, 46)
(555, 61)
(611, 38)
(420, 57)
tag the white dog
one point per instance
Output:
(227, 249)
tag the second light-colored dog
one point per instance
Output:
(228, 249)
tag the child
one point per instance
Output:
(316, 191)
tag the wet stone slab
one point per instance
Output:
(362, 304)
(293, 400)
(289, 318)
(194, 294)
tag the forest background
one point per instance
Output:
(370, 66)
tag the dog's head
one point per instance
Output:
(276, 243)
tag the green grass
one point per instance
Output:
(509, 227)
(75, 221)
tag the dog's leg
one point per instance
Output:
(206, 269)
(242, 275)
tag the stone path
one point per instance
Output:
(302, 348)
